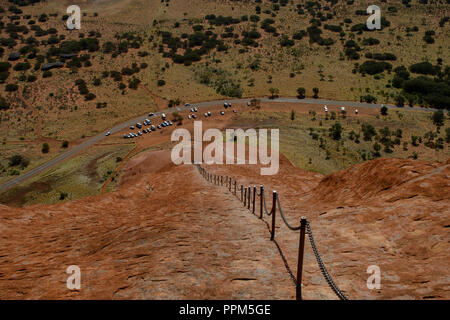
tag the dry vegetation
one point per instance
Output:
(84, 98)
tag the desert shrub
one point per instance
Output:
(434, 93)
(18, 160)
(31, 78)
(374, 67)
(368, 131)
(301, 93)
(299, 35)
(47, 74)
(11, 87)
(381, 56)
(286, 42)
(22, 66)
(370, 41)
(316, 92)
(400, 100)
(90, 96)
(423, 68)
(438, 118)
(4, 66)
(229, 88)
(45, 148)
(351, 50)
(4, 76)
(65, 144)
(4, 105)
(368, 98)
(134, 83)
(336, 131)
(117, 76)
(333, 28)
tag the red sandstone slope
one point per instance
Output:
(166, 233)
(389, 212)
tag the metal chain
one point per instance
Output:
(322, 267)
(265, 205)
(324, 271)
(284, 218)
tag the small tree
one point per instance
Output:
(45, 148)
(274, 92)
(336, 131)
(65, 144)
(438, 118)
(384, 111)
(400, 101)
(301, 93)
(376, 148)
(316, 93)
(368, 131)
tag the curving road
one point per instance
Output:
(77, 149)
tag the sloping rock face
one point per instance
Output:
(390, 213)
(168, 234)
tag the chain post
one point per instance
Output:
(301, 249)
(245, 197)
(261, 199)
(274, 211)
(254, 199)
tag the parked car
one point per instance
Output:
(131, 127)
(222, 113)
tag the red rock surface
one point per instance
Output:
(168, 234)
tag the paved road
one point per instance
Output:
(77, 149)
